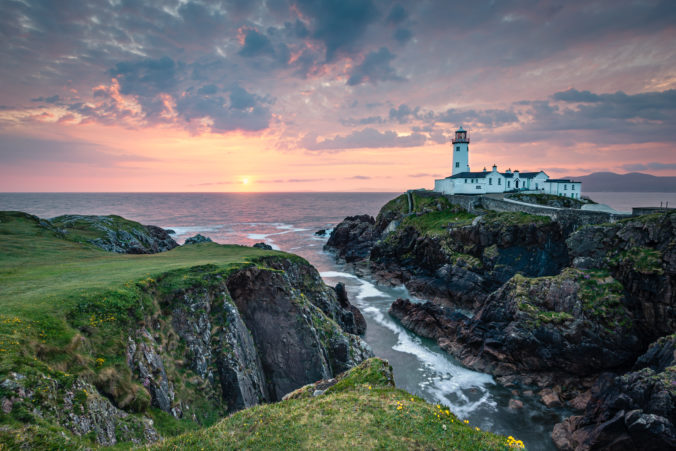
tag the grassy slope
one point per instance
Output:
(41, 272)
(362, 411)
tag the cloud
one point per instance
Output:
(397, 14)
(51, 99)
(375, 67)
(242, 110)
(350, 122)
(366, 138)
(256, 44)
(487, 118)
(147, 77)
(652, 166)
(403, 35)
(602, 118)
(339, 24)
(403, 114)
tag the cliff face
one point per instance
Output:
(156, 355)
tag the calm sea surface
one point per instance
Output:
(287, 221)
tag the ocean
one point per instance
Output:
(288, 222)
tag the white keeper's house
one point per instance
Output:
(463, 181)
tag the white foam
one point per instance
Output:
(257, 236)
(331, 274)
(192, 229)
(445, 377)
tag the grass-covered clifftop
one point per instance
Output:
(363, 410)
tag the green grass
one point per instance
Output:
(362, 411)
(642, 259)
(43, 274)
(437, 222)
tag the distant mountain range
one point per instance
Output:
(635, 182)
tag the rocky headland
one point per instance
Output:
(563, 308)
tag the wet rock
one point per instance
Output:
(550, 398)
(263, 246)
(320, 232)
(515, 404)
(197, 239)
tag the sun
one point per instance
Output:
(245, 181)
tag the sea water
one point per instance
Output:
(288, 221)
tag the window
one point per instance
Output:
(490, 181)
(457, 148)
(499, 181)
(565, 187)
(465, 180)
(507, 184)
(536, 186)
(478, 187)
(457, 165)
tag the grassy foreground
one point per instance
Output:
(362, 411)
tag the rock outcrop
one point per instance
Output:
(197, 239)
(114, 233)
(353, 238)
(536, 329)
(641, 254)
(636, 410)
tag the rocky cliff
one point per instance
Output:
(137, 349)
(543, 303)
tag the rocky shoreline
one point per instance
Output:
(563, 310)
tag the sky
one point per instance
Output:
(328, 95)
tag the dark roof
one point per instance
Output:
(529, 175)
(469, 175)
(562, 181)
(508, 175)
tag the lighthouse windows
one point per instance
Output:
(457, 165)
(457, 148)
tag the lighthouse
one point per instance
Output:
(460, 146)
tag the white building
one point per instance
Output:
(463, 181)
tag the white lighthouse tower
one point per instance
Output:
(460, 149)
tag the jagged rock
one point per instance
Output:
(197, 239)
(145, 360)
(353, 238)
(356, 325)
(114, 233)
(295, 342)
(320, 232)
(639, 253)
(264, 246)
(636, 410)
(533, 327)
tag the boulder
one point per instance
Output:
(263, 246)
(197, 239)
